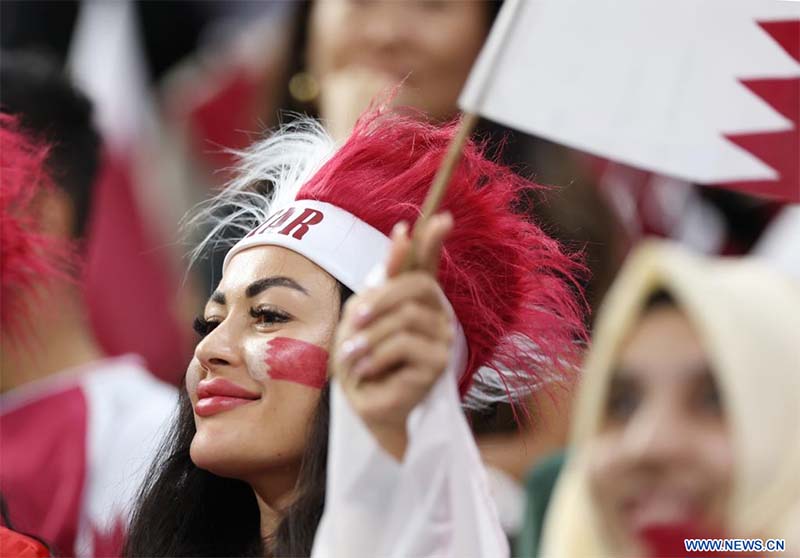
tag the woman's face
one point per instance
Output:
(433, 42)
(662, 457)
(256, 376)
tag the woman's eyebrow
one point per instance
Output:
(257, 287)
(218, 297)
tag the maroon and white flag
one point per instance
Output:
(706, 91)
(134, 206)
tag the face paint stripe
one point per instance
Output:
(297, 361)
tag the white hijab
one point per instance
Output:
(748, 317)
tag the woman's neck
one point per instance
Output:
(274, 493)
(270, 518)
(55, 336)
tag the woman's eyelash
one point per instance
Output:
(266, 315)
(203, 327)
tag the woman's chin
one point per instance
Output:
(219, 460)
(226, 458)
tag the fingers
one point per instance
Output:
(411, 317)
(386, 402)
(371, 305)
(430, 241)
(401, 244)
(394, 340)
(404, 350)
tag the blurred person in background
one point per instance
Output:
(76, 427)
(27, 258)
(129, 240)
(348, 52)
(687, 419)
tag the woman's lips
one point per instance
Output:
(660, 509)
(212, 405)
(390, 72)
(218, 395)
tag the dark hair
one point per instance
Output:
(186, 511)
(661, 297)
(55, 113)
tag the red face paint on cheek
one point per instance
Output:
(297, 361)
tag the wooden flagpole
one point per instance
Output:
(440, 182)
(510, 15)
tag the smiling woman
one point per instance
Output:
(322, 406)
(663, 454)
(687, 419)
(262, 357)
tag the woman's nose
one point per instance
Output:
(219, 348)
(656, 436)
(386, 26)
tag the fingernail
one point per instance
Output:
(363, 314)
(362, 367)
(444, 219)
(354, 345)
(400, 229)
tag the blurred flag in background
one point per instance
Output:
(132, 276)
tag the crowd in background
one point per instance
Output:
(689, 396)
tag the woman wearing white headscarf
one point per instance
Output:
(687, 423)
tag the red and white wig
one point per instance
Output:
(28, 257)
(513, 291)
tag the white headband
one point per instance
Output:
(348, 248)
(334, 239)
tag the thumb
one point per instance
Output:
(401, 244)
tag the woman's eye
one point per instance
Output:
(203, 327)
(622, 406)
(705, 397)
(267, 316)
(623, 400)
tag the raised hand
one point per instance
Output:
(394, 340)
